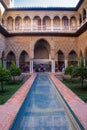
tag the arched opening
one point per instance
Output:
(60, 60)
(41, 56)
(46, 23)
(10, 23)
(10, 58)
(72, 58)
(41, 49)
(84, 14)
(56, 23)
(65, 22)
(27, 23)
(24, 61)
(18, 23)
(80, 18)
(73, 23)
(37, 23)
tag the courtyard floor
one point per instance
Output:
(9, 110)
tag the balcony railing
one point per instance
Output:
(44, 28)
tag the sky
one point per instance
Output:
(46, 3)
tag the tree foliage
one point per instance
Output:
(80, 71)
(68, 70)
(15, 71)
(5, 75)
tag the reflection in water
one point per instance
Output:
(42, 110)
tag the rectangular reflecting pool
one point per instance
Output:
(42, 108)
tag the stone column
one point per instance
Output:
(31, 66)
(82, 19)
(78, 62)
(78, 23)
(41, 24)
(17, 63)
(84, 62)
(31, 24)
(5, 24)
(69, 24)
(22, 26)
(66, 63)
(4, 63)
(61, 25)
(14, 25)
(51, 24)
(53, 66)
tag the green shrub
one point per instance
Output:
(80, 71)
(5, 75)
(69, 70)
(15, 71)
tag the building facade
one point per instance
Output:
(37, 37)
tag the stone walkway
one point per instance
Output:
(76, 104)
(9, 110)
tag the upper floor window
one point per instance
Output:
(65, 21)
(84, 14)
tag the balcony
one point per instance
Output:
(43, 28)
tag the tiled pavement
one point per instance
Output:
(9, 110)
(77, 105)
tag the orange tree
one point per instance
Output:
(80, 71)
(5, 75)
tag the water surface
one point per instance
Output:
(42, 109)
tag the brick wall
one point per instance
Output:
(2, 44)
(27, 43)
(82, 43)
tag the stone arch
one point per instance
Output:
(73, 22)
(72, 58)
(41, 49)
(18, 23)
(27, 22)
(56, 22)
(24, 61)
(46, 23)
(65, 22)
(61, 58)
(10, 23)
(84, 14)
(10, 58)
(37, 23)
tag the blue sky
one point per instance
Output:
(46, 3)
